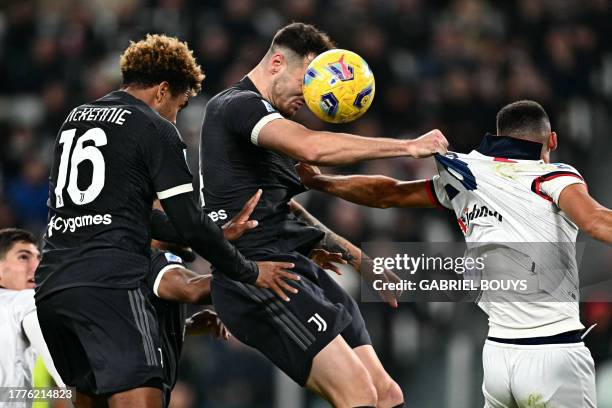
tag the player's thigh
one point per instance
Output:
(290, 334)
(356, 333)
(555, 375)
(83, 400)
(496, 379)
(337, 369)
(142, 397)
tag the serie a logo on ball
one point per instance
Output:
(338, 86)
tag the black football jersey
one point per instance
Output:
(170, 316)
(233, 167)
(112, 157)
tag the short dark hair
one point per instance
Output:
(303, 39)
(523, 119)
(159, 58)
(10, 236)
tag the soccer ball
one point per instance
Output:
(338, 86)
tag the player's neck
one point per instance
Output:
(147, 95)
(261, 82)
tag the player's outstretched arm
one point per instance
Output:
(204, 237)
(335, 149)
(371, 191)
(590, 216)
(184, 286)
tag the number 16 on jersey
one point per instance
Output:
(79, 155)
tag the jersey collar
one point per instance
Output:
(124, 96)
(509, 147)
(247, 84)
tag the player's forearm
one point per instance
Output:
(371, 191)
(331, 242)
(336, 149)
(600, 225)
(198, 289)
(207, 239)
(185, 286)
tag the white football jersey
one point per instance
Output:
(500, 200)
(17, 358)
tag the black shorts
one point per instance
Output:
(102, 341)
(290, 334)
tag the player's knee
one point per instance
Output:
(365, 387)
(357, 389)
(391, 395)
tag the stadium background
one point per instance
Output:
(445, 64)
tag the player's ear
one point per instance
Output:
(552, 141)
(163, 91)
(277, 60)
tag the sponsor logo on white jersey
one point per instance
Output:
(476, 212)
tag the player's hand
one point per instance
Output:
(307, 173)
(430, 143)
(327, 260)
(206, 322)
(234, 228)
(272, 276)
(367, 272)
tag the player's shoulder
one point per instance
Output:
(20, 302)
(545, 171)
(238, 97)
(562, 168)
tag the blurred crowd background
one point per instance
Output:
(447, 64)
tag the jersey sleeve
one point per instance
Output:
(550, 185)
(437, 193)
(166, 159)
(161, 262)
(247, 113)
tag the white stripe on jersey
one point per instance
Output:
(263, 122)
(171, 192)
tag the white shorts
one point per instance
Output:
(549, 375)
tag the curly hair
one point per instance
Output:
(160, 58)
